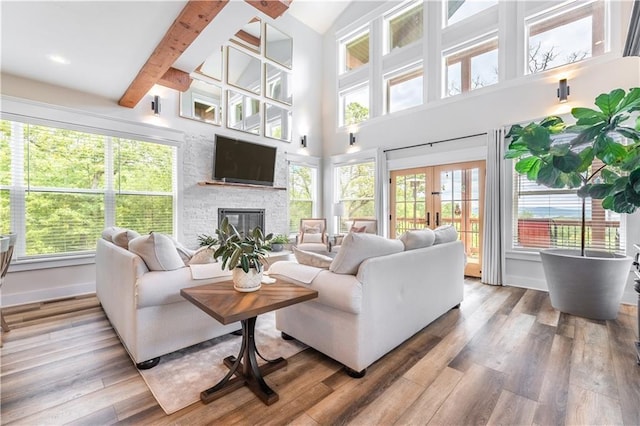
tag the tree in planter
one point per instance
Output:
(615, 179)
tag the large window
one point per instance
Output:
(403, 89)
(63, 184)
(302, 194)
(356, 190)
(471, 68)
(404, 26)
(354, 51)
(560, 37)
(546, 217)
(354, 105)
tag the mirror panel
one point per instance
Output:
(279, 46)
(202, 102)
(277, 122)
(243, 70)
(243, 112)
(278, 84)
(212, 66)
(250, 35)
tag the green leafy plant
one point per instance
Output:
(279, 239)
(592, 161)
(240, 251)
(205, 240)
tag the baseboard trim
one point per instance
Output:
(43, 295)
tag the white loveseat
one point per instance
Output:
(357, 318)
(145, 307)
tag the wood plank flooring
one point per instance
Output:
(505, 357)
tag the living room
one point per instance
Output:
(443, 127)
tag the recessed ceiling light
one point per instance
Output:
(58, 59)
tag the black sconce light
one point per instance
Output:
(563, 90)
(352, 139)
(303, 141)
(155, 105)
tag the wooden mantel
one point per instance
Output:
(245, 185)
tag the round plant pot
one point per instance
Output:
(590, 286)
(246, 281)
(276, 247)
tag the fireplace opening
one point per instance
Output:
(243, 219)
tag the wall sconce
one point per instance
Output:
(563, 90)
(352, 139)
(303, 141)
(155, 105)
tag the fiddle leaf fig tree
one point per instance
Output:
(590, 157)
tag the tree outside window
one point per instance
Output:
(302, 184)
(356, 190)
(355, 106)
(472, 68)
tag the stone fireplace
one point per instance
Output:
(243, 219)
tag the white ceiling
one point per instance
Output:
(105, 42)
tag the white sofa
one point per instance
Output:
(146, 308)
(357, 319)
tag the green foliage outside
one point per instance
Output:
(300, 195)
(355, 113)
(356, 190)
(64, 172)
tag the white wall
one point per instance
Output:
(197, 210)
(518, 99)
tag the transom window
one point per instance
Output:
(61, 187)
(404, 89)
(404, 26)
(354, 105)
(560, 37)
(458, 10)
(354, 50)
(471, 68)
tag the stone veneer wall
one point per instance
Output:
(201, 203)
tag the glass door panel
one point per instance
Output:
(409, 200)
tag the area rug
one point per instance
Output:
(178, 379)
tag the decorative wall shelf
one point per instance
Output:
(245, 185)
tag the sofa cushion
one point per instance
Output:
(343, 292)
(418, 238)
(202, 255)
(184, 252)
(109, 231)
(122, 237)
(445, 234)
(163, 287)
(312, 259)
(158, 252)
(357, 247)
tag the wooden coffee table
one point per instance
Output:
(225, 304)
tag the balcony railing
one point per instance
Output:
(546, 233)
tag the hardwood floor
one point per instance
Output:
(504, 357)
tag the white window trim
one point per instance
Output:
(397, 73)
(341, 106)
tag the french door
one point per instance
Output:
(449, 194)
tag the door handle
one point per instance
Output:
(437, 218)
(428, 219)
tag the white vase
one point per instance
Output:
(246, 281)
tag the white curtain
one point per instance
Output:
(493, 240)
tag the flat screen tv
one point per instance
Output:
(239, 161)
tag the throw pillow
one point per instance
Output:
(157, 251)
(312, 259)
(418, 238)
(311, 238)
(122, 238)
(109, 231)
(202, 255)
(358, 229)
(357, 247)
(184, 252)
(445, 234)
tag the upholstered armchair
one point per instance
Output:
(368, 226)
(312, 235)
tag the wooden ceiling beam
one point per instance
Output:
(195, 16)
(272, 8)
(176, 79)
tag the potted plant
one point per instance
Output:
(205, 240)
(242, 254)
(587, 283)
(278, 241)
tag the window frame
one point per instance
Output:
(297, 161)
(19, 187)
(463, 55)
(342, 106)
(338, 196)
(342, 48)
(403, 74)
(395, 13)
